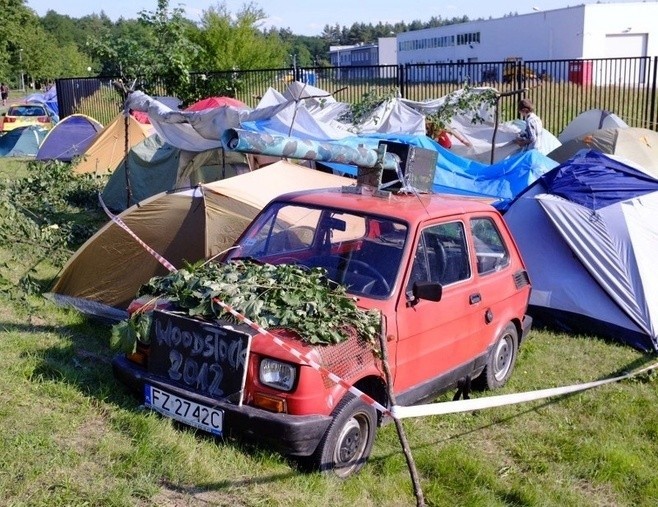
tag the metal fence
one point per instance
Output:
(560, 89)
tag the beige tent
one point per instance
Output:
(637, 145)
(109, 148)
(103, 276)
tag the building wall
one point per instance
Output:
(388, 51)
(599, 30)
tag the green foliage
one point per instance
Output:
(466, 101)
(273, 296)
(42, 210)
(234, 41)
(363, 110)
(126, 333)
(162, 48)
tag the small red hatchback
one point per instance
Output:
(446, 276)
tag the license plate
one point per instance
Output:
(182, 410)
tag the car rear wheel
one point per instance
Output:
(346, 445)
(501, 360)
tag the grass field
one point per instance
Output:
(71, 436)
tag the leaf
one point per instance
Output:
(124, 337)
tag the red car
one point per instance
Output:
(443, 271)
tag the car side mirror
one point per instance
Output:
(431, 291)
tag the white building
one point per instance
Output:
(359, 55)
(583, 32)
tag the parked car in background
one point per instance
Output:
(25, 115)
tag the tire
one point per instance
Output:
(501, 359)
(346, 445)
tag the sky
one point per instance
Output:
(304, 17)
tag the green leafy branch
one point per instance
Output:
(466, 101)
(360, 112)
(285, 295)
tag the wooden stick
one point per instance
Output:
(420, 500)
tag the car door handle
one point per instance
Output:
(474, 298)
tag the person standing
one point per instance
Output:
(530, 138)
(4, 93)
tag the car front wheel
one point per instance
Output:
(501, 360)
(346, 446)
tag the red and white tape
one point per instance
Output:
(117, 220)
(306, 359)
(453, 407)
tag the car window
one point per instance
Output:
(490, 249)
(441, 255)
(361, 251)
(26, 111)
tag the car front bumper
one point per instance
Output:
(295, 435)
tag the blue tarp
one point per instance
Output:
(458, 175)
(49, 99)
(594, 180)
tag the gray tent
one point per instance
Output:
(153, 166)
(638, 145)
(588, 233)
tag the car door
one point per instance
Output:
(438, 341)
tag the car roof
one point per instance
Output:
(405, 207)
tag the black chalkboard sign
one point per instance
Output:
(199, 356)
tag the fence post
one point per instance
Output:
(652, 111)
(518, 73)
(401, 80)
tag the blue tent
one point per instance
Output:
(595, 181)
(69, 138)
(22, 142)
(587, 232)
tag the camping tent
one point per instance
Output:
(22, 142)
(638, 145)
(212, 102)
(69, 138)
(153, 166)
(587, 121)
(106, 272)
(587, 232)
(109, 147)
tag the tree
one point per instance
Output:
(17, 19)
(236, 42)
(159, 47)
(172, 52)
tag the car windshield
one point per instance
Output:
(362, 252)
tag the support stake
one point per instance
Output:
(420, 500)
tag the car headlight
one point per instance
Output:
(276, 374)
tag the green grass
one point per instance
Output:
(70, 435)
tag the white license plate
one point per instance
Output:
(186, 411)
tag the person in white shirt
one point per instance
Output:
(530, 138)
